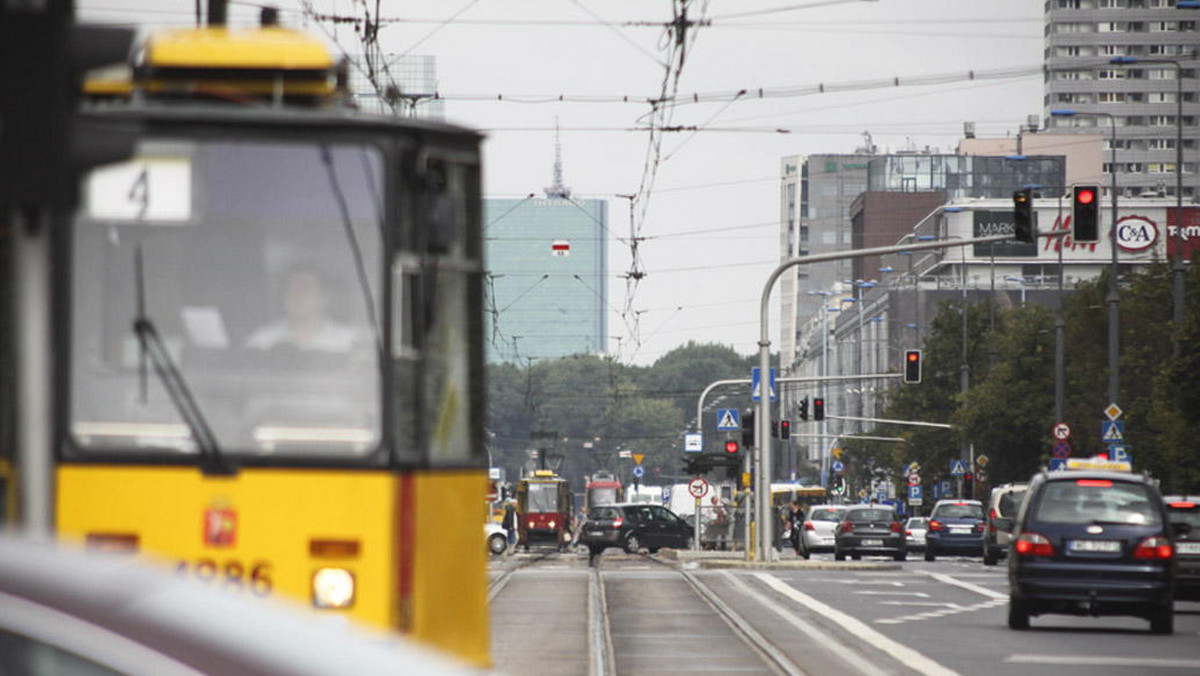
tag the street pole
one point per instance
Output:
(1059, 329)
(766, 529)
(1114, 296)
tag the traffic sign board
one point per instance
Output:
(639, 471)
(1058, 463)
(838, 466)
(915, 495)
(981, 461)
(693, 443)
(958, 467)
(1112, 430)
(729, 419)
(698, 488)
(1120, 453)
(638, 458)
(756, 385)
(1062, 431)
(1061, 449)
(914, 479)
(1113, 411)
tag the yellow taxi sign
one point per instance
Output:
(1099, 464)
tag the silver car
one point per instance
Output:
(914, 530)
(821, 526)
(69, 612)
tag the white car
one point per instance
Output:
(821, 525)
(497, 537)
(915, 529)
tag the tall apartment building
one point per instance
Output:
(1151, 97)
(413, 83)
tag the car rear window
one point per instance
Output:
(869, 515)
(959, 511)
(599, 513)
(1010, 503)
(1077, 501)
(1185, 512)
(825, 515)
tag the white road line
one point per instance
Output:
(858, 662)
(868, 592)
(1104, 661)
(901, 652)
(982, 591)
(931, 604)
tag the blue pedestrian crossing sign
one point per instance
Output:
(958, 467)
(729, 419)
(1112, 430)
(756, 385)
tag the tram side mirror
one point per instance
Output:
(1003, 523)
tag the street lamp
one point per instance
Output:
(1019, 280)
(1177, 271)
(1114, 297)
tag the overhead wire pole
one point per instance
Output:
(762, 480)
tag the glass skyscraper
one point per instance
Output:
(546, 293)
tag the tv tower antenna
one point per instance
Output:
(558, 190)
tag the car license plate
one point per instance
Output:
(1094, 546)
(872, 543)
(596, 533)
(960, 530)
(1188, 547)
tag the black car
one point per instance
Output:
(633, 527)
(874, 530)
(1091, 542)
(1184, 514)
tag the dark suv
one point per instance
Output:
(633, 527)
(1184, 514)
(874, 530)
(1091, 543)
(955, 527)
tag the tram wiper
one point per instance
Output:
(152, 346)
(355, 247)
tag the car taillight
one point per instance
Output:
(992, 513)
(978, 527)
(1182, 505)
(808, 525)
(1156, 548)
(618, 521)
(896, 527)
(936, 525)
(1033, 544)
(847, 527)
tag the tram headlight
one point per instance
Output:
(551, 524)
(333, 588)
(530, 525)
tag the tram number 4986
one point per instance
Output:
(231, 574)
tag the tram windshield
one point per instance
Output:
(258, 264)
(543, 497)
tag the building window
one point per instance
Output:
(1162, 120)
(1111, 97)
(1111, 74)
(1102, 27)
(1160, 97)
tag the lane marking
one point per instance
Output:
(868, 592)
(820, 638)
(901, 652)
(1104, 661)
(982, 591)
(927, 604)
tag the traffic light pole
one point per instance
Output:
(765, 534)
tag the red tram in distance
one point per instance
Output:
(543, 510)
(602, 489)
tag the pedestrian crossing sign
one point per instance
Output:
(728, 419)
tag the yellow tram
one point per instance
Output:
(270, 343)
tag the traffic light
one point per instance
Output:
(748, 428)
(1085, 213)
(44, 145)
(802, 409)
(912, 366)
(968, 486)
(1023, 225)
(785, 429)
(731, 447)
(818, 408)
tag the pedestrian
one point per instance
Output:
(510, 522)
(796, 520)
(718, 525)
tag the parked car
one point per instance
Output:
(955, 527)
(1183, 511)
(821, 525)
(633, 527)
(914, 532)
(497, 537)
(870, 529)
(1004, 501)
(64, 611)
(1091, 542)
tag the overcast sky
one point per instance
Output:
(709, 218)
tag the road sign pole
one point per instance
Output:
(696, 525)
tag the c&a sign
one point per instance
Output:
(1136, 233)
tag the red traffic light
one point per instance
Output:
(1085, 196)
(731, 447)
(913, 357)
